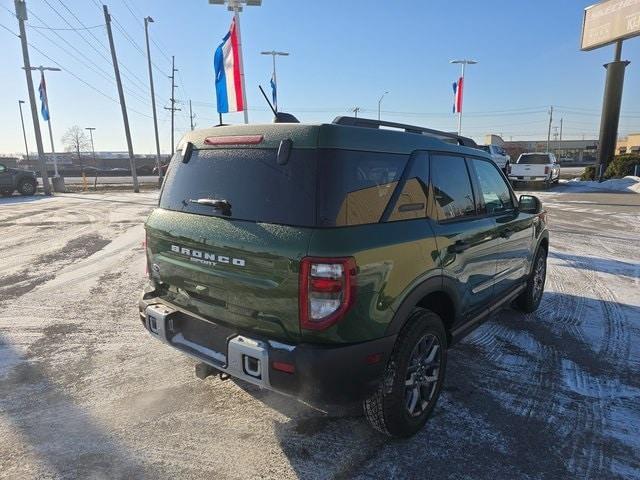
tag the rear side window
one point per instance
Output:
(257, 188)
(453, 195)
(354, 187)
(534, 159)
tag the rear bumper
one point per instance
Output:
(322, 374)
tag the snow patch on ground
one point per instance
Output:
(626, 184)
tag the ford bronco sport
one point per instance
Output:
(337, 262)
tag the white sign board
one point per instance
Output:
(610, 21)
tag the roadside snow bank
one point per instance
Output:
(626, 184)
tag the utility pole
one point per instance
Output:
(355, 111)
(380, 101)
(549, 132)
(173, 100)
(273, 54)
(123, 106)
(147, 21)
(191, 116)
(93, 150)
(21, 15)
(24, 132)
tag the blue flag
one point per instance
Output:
(274, 93)
(43, 98)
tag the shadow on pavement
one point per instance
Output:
(514, 405)
(605, 265)
(59, 432)
(16, 198)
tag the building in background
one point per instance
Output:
(568, 152)
(628, 144)
(70, 163)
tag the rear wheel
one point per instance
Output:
(530, 298)
(413, 379)
(27, 187)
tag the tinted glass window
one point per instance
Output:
(412, 200)
(534, 159)
(355, 187)
(493, 188)
(257, 188)
(315, 188)
(453, 196)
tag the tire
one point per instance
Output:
(529, 300)
(27, 187)
(421, 349)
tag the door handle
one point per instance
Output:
(506, 233)
(459, 246)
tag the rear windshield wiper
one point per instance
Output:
(220, 204)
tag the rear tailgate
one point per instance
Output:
(240, 274)
(228, 237)
(527, 170)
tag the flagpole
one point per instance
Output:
(460, 92)
(46, 102)
(236, 16)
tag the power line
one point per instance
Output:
(100, 70)
(129, 74)
(83, 81)
(65, 29)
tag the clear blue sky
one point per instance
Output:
(343, 54)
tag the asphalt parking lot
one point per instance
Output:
(86, 393)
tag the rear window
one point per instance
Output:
(322, 187)
(534, 159)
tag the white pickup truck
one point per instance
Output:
(535, 167)
(498, 155)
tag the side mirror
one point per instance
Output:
(529, 204)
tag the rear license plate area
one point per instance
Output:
(201, 332)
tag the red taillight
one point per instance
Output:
(234, 140)
(327, 290)
(546, 170)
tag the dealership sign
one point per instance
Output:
(610, 21)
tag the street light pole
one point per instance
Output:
(148, 20)
(24, 132)
(93, 150)
(273, 54)
(380, 101)
(236, 6)
(464, 63)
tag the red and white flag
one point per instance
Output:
(457, 95)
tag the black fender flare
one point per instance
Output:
(432, 285)
(543, 236)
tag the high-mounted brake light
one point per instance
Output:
(327, 291)
(234, 140)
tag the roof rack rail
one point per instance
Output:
(370, 123)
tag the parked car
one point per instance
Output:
(499, 155)
(535, 167)
(337, 263)
(12, 179)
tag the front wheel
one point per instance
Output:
(530, 298)
(27, 187)
(413, 378)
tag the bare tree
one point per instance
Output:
(75, 140)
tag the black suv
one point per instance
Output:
(12, 179)
(337, 262)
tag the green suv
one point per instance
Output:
(336, 263)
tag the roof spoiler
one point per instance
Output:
(370, 123)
